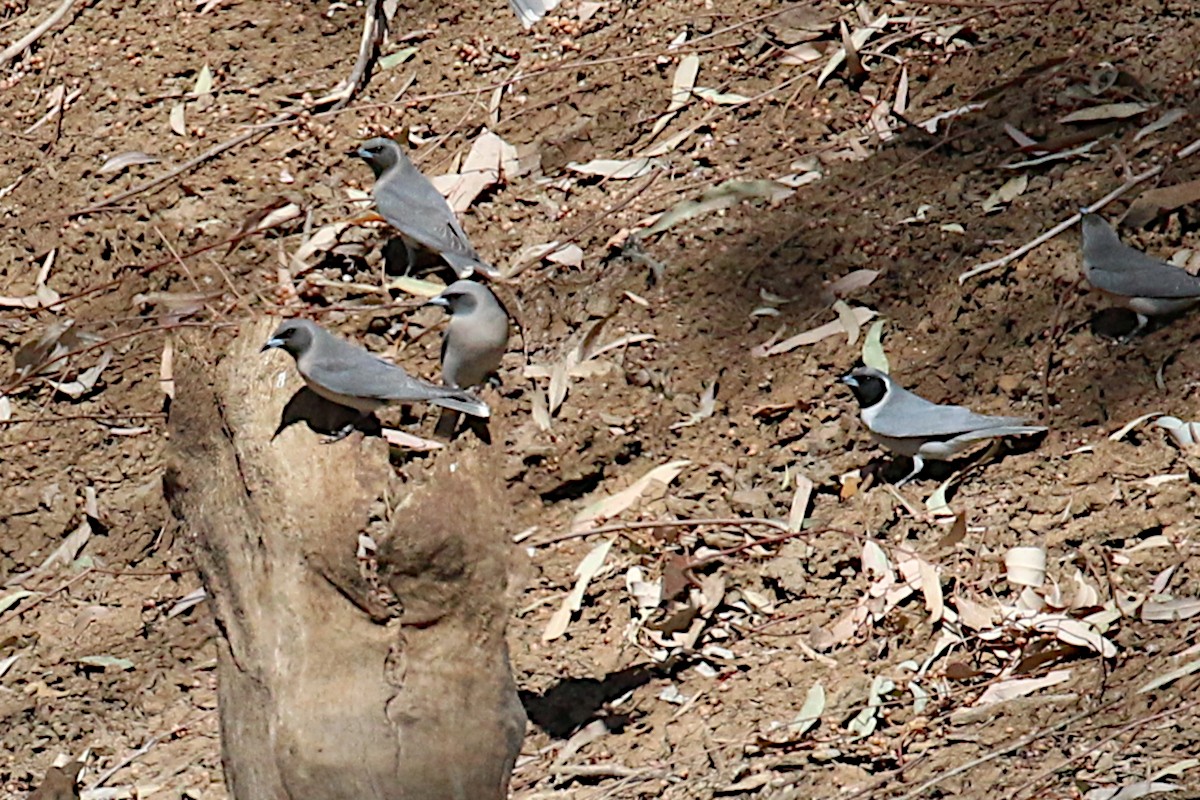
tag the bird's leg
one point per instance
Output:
(918, 465)
(1143, 321)
(346, 429)
(410, 256)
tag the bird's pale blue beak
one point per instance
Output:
(271, 343)
(849, 380)
(438, 301)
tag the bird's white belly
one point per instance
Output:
(1157, 306)
(361, 404)
(929, 449)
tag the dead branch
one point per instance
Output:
(373, 27)
(21, 45)
(134, 755)
(620, 527)
(1060, 227)
(1136, 180)
(339, 97)
(1004, 750)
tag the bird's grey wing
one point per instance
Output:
(905, 415)
(353, 372)
(1136, 274)
(357, 373)
(412, 205)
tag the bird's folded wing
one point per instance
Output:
(1144, 277)
(364, 375)
(423, 215)
(909, 416)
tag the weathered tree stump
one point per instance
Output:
(338, 680)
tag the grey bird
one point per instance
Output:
(349, 375)
(410, 204)
(474, 342)
(1147, 286)
(911, 426)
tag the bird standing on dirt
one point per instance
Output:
(349, 375)
(911, 426)
(474, 342)
(1147, 286)
(410, 204)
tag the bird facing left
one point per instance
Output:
(349, 375)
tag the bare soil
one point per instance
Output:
(701, 722)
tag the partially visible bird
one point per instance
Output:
(59, 783)
(475, 340)
(414, 207)
(530, 11)
(912, 426)
(349, 375)
(1147, 286)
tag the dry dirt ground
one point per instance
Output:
(889, 613)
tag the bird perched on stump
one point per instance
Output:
(349, 375)
(1147, 286)
(909, 425)
(413, 206)
(474, 342)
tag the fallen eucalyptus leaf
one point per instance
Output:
(124, 161)
(611, 506)
(724, 195)
(1107, 111)
(617, 169)
(397, 58)
(104, 662)
(872, 351)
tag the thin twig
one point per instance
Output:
(574, 235)
(371, 35)
(73, 417)
(134, 756)
(619, 527)
(1017, 744)
(1060, 227)
(21, 45)
(783, 537)
(175, 254)
(20, 610)
(608, 771)
(32, 376)
(1137, 723)
(186, 166)
(340, 96)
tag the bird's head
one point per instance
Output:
(380, 153)
(868, 384)
(460, 297)
(294, 336)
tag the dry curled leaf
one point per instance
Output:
(587, 569)
(616, 169)
(124, 161)
(611, 506)
(821, 332)
(1107, 111)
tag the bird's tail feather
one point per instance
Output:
(1000, 431)
(458, 400)
(465, 266)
